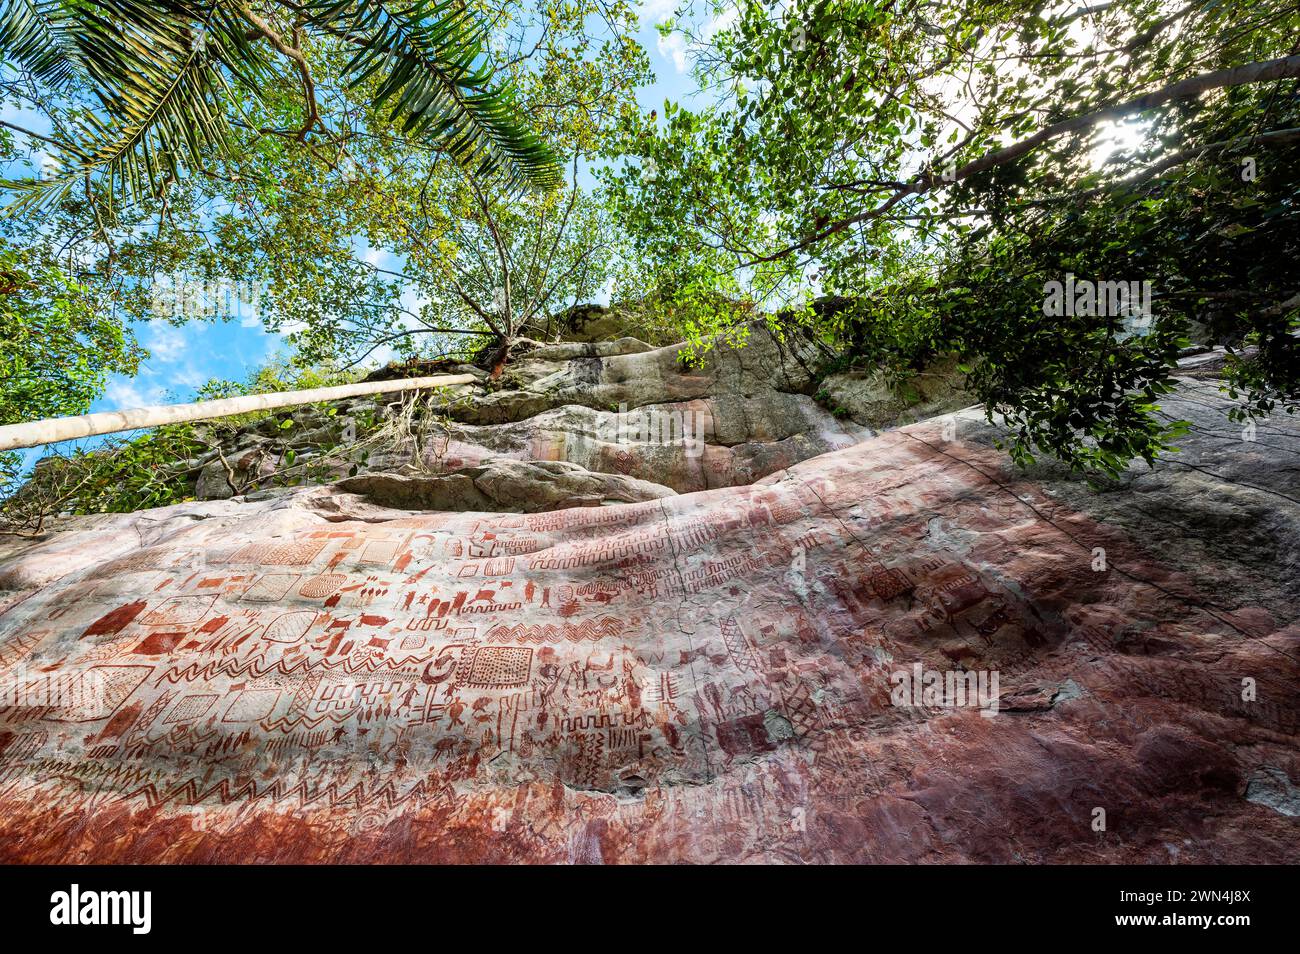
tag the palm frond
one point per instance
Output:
(160, 71)
(435, 84)
(34, 34)
(160, 89)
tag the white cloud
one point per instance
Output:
(123, 394)
(380, 357)
(722, 21)
(606, 293)
(166, 343)
(412, 301)
(673, 47)
(657, 11)
(27, 118)
(375, 257)
(188, 377)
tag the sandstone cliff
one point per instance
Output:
(627, 610)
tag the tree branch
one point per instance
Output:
(308, 84)
(1267, 71)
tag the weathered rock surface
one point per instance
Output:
(871, 400)
(694, 445)
(319, 675)
(618, 407)
(504, 485)
(590, 323)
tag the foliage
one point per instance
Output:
(937, 166)
(158, 467)
(119, 476)
(59, 346)
(163, 82)
(283, 372)
(910, 179)
(361, 239)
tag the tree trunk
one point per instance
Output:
(55, 429)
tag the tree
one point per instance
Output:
(933, 169)
(142, 97)
(360, 239)
(486, 259)
(476, 261)
(60, 347)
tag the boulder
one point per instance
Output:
(871, 399)
(503, 485)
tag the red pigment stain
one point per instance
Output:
(159, 643)
(116, 621)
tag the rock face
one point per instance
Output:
(743, 673)
(870, 400)
(616, 407)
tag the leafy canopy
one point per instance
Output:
(931, 168)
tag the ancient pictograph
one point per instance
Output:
(696, 678)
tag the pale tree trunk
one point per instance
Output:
(55, 429)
